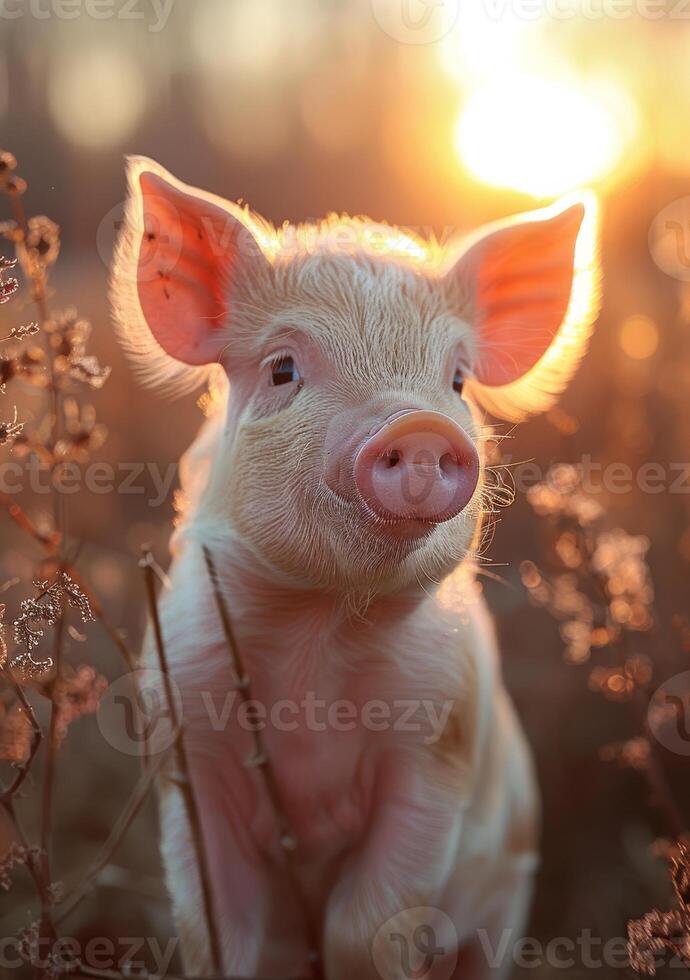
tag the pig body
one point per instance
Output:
(435, 808)
(340, 487)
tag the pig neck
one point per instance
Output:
(295, 630)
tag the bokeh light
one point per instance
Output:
(542, 137)
(96, 95)
(638, 337)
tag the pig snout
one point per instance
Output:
(419, 466)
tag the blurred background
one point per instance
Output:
(434, 116)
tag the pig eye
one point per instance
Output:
(458, 381)
(284, 371)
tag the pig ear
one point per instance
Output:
(529, 288)
(178, 256)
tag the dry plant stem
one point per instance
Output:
(185, 782)
(261, 760)
(37, 736)
(39, 284)
(38, 277)
(47, 928)
(116, 836)
(22, 520)
(33, 863)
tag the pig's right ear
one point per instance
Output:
(177, 258)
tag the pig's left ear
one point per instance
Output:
(529, 288)
(178, 259)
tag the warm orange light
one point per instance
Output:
(542, 137)
(639, 337)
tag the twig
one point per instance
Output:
(49, 541)
(33, 861)
(261, 760)
(147, 563)
(47, 928)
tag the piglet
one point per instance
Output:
(339, 484)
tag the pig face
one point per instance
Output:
(357, 357)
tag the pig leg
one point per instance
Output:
(237, 886)
(399, 868)
(489, 955)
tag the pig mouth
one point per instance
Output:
(399, 527)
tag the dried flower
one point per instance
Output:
(84, 434)
(655, 933)
(43, 239)
(29, 366)
(560, 495)
(50, 963)
(68, 334)
(15, 855)
(76, 693)
(632, 754)
(45, 608)
(22, 332)
(10, 429)
(8, 163)
(620, 683)
(9, 286)
(658, 932)
(620, 559)
(605, 589)
(15, 185)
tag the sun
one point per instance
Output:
(542, 137)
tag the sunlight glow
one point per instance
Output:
(542, 137)
(483, 46)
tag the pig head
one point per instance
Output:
(357, 356)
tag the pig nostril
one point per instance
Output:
(448, 464)
(421, 466)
